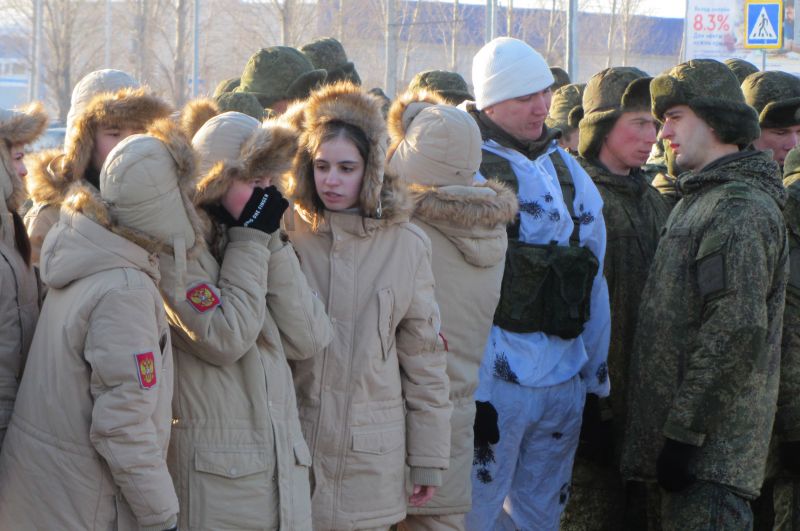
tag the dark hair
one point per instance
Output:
(21, 240)
(331, 131)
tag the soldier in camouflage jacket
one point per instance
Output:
(706, 360)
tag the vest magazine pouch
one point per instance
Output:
(546, 288)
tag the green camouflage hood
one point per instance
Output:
(566, 108)
(279, 73)
(711, 90)
(791, 165)
(242, 102)
(226, 85)
(775, 96)
(608, 94)
(449, 85)
(329, 55)
(560, 76)
(740, 68)
(751, 167)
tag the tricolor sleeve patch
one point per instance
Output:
(146, 369)
(202, 298)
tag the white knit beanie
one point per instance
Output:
(507, 68)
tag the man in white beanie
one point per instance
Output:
(549, 343)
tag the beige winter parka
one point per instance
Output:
(19, 290)
(437, 149)
(377, 399)
(105, 98)
(237, 453)
(87, 444)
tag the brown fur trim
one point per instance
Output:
(403, 110)
(464, 210)
(43, 183)
(82, 198)
(294, 116)
(185, 158)
(270, 151)
(195, 113)
(382, 196)
(128, 107)
(212, 186)
(25, 125)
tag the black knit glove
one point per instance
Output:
(790, 456)
(672, 467)
(486, 430)
(263, 210)
(597, 432)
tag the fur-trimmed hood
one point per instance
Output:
(382, 195)
(129, 107)
(249, 153)
(473, 218)
(17, 128)
(196, 113)
(147, 181)
(433, 143)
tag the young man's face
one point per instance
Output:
(779, 139)
(691, 139)
(522, 117)
(106, 139)
(629, 143)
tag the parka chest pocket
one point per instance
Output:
(386, 321)
(233, 489)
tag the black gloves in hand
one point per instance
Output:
(263, 210)
(672, 467)
(790, 456)
(597, 432)
(486, 430)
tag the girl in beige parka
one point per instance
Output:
(87, 444)
(106, 107)
(237, 311)
(377, 399)
(436, 148)
(19, 291)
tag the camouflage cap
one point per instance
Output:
(566, 107)
(740, 68)
(791, 164)
(775, 96)
(329, 55)
(561, 77)
(449, 85)
(226, 85)
(710, 89)
(279, 73)
(242, 102)
(608, 94)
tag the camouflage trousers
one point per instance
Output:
(601, 501)
(705, 506)
(787, 505)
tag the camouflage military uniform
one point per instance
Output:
(635, 214)
(706, 356)
(787, 420)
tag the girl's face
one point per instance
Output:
(106, 139)
(338, 172)
(18, 160)
(239, 194)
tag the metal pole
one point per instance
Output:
(390, 79)
(454, 50)
(510, 18)
(36, 53)
(196, 44)
(572, 39)
(490, 25)
(107, 50)
(763, 60)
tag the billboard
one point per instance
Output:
(717, 29)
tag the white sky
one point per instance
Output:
(657, 8)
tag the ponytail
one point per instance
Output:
(21, 240)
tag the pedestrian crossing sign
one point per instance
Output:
(763, 24)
